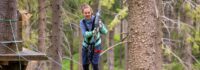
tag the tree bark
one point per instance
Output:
(80, 50)
(110, 57)
(42, 32)
(71, 46)
(121, 36)
(42, 26)
(55, 51)
(144, 35)
(103, 44)
(168, 12)
(8, 17)
(186, 51)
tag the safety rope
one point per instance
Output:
(8, 20)
(15, 43)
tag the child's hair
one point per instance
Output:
(83, 6)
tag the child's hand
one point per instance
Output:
(100, 24)
(94, 32)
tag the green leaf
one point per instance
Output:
(122, 14)
(117, 37)
(195, 48)
(107, 3)
(189, 39)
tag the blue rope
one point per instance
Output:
(8, 20)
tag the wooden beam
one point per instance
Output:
(25, 55)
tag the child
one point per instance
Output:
(91, 47)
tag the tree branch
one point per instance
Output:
(113, 47)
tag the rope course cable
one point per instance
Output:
(8, 20)
(16, 45)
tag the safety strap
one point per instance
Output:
(90, 48)
(87, 29)
(84, 23)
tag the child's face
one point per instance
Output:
(87, 13)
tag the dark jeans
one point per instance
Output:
(90, 58)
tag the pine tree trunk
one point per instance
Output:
(186, 51)
(42, 26)
(170, 14)
(110, 57)
(8, 12)
(125, 26)
(42, 32)
(71, 48)
(144, 36)
(55, 51)
(103, 45)
(80, 50)
(158, 57)
(121, 36)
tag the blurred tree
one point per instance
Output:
(42, 32)
(110, 55)
(144, 35)
(55, 51)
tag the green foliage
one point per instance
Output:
(66, 63)
(117, 37)
(195, 48)
(107, 3)
(167, 51)
(122, 14)
(196, 66)
(193, 13)
(173, 66)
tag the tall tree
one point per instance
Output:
(144, 35)
(110, 57)
(80, 49)
(186, 50)
(42, 26)
(42, 32)
(71, 45)
(55, 51)
(8, 25)
(121, 35)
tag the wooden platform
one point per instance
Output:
(24, 55)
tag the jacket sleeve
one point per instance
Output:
(103, 29)
(86, 34)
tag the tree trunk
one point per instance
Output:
(71, 56)
(42, 32)
(144, 35)
(95, 6)
(168, 12)
(186, 51)
(8, 25)
(198, 1)
(42, 26)
(103, 45)
(56, 36)
(125, 26)
(158, 57)
(71, 46)
(80, 50)
(110, 57)
(121, 37)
